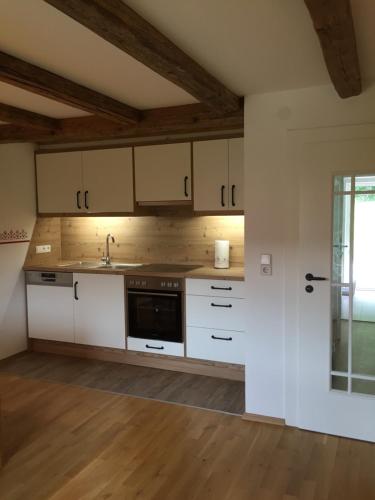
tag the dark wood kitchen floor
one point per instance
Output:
(163, 385)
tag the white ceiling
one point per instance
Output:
(250, 45)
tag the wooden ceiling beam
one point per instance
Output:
(333, 22)
(17, 116)
(189, 119)
(40, 81)
(121, 26)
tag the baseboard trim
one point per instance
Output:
(186, 365)
(263, 419)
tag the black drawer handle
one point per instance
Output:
(220, 305)
(86, 200)
(222, 196)
(154, 347)
(76, 290)
(221, 288)
(233, 189)
(185, 186)
(78, 199)
(221, 338)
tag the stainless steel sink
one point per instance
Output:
(118, 266)
(100, 265)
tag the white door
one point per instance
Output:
(236, 173)
(59, 182)
(163, 173)
(337, 315)
(210, 166)
(99, 310)
(108, 180)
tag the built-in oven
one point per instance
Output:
(155, 308)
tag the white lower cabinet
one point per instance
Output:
(215, 312)
(99, 310)
(50, 313)
(216, 345)
(215, 318)
(156, 346)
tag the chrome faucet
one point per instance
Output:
(107, 257)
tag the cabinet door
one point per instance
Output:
(210, 164)
(99, 310)
(236, 173)
(163, 173)
(59, 182)
(108, 180)
(50, 313)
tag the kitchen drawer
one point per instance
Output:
(215, 345)
(215, 288)
(215, 312)
(156, 346)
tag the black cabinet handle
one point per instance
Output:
(76, 290)
(233, 189)
(154, 347)
(311, 277)
(220, 305)
(221, 338)
(78, 199)
(86, 200)
(185, 185)
(221, 288)
(222, 196)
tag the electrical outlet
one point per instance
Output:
(265, 270)
(43, 248)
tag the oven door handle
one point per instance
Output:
(155, 294)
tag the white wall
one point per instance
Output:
(271, 226)
(17, 211)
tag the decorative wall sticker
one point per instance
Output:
(13, 236)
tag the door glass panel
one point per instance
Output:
(339, 383)
(340, 328)
(341, 239)
(363, 386)
(353, 284)
(363, 333)
(365, 183)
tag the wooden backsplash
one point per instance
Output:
(138, 239)
(152, 239)
(47, 231)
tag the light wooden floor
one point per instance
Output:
(165, 385)
(71, 443)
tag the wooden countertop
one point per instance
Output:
(205, 272)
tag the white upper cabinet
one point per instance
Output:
(59, 181)
(163, 173)
(236, 173)
(210, 164)
(218, 175)
(97, 181)
(108, 180)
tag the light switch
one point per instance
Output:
(265, 259)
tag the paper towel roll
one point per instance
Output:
(221, 254)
